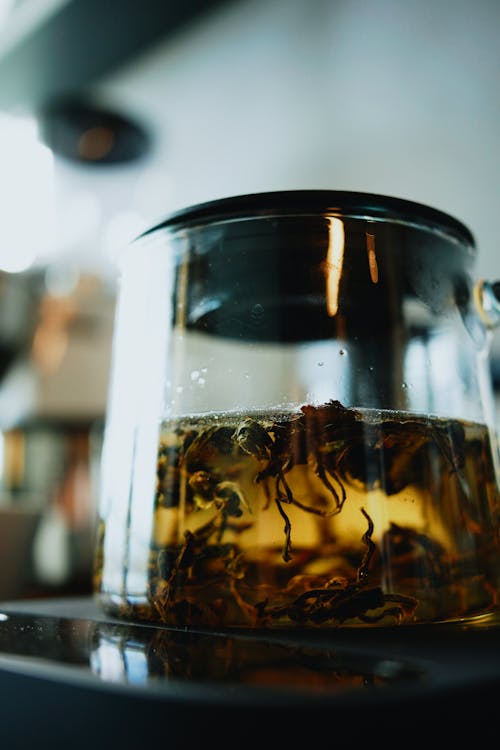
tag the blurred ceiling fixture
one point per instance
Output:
(85, 133)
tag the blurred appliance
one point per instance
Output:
(52, 395)
(19, 298)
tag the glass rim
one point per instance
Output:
(342, 204)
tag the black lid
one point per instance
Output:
(265, 280)
(340, 203)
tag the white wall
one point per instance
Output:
(386, 96)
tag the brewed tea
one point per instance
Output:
(322, 517)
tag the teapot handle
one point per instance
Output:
(487, 300)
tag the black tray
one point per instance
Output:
(71, 677)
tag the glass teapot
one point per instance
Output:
(300, 429)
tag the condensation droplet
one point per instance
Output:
(195, 375)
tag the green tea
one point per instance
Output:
(322, 517)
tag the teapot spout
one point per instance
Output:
(487, 300)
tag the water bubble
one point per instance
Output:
(204, 370)
(342, 352)
(179, 389)
(201, 381)
(404, 386)
(321, 364)
(195, 375)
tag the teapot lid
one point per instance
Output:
(339, 203)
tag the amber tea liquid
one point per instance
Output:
(323, 517)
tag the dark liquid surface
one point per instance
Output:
(323, 517)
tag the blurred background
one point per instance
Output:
(113, 113)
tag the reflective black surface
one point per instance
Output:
(66, 659)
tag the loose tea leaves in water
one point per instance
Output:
(322, 517)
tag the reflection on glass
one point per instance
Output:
(139, 656)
